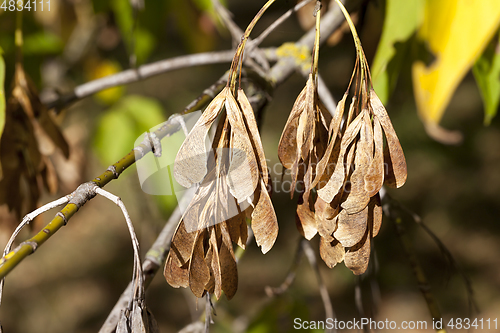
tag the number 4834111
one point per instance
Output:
(20, 5)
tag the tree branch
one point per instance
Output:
(141, 73)
(153, 261)
(325, 297)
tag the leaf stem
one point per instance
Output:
(238, 56)
(317, 13)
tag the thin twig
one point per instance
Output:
(141, 73)
(473, 307)
(153, 260)
(277, 23)
(292, 273)
(286, 66)
(417, 269)
(137, 276)
(325, 297)
(27, 220)
(225, 16)
(208, 313)
(261, 65)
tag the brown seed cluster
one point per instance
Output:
(232, 186)
(347, 165)
(29, 138)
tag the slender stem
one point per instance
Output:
(364, 69)
(292, 272)
(357, 41)
(417, 269)
(317, 13)
(323, 291)
(237, 60)
(276, 23)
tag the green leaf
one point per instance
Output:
(115, 136)
(145, 43)
(139, 41)
(124, 17)
(122, 124)
(206, 5)
(146, 112)
(487, 73)
(2, 97)
(402, 18)
(41, 43)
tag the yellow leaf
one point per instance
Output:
(102, 69)
(456, 31)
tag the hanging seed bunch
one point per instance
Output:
(304, 141)
(233, 185)
(347, 212)
(30, 137)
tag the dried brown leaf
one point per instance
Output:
(331, 189)
(333, 131)
(122, 326)
(199, 274)
(49, 175)
(396, 155)
(238, 230)
(215, 264)
(358, 256)
(305, 220)
(326, 217)
(228, 268)
(296, 172)
(332, 252)
(324, 115)
(137, 321)
(287, 148)
(374, 178)
(264, 221)
(375, 214)
(253, 132)
(27, 95)
(307, 122)
(52, 130)
(182, 244)
(358, 198)
(243, 173)
(176, 276)
(191, 161)
(307, 179)
(351, 227)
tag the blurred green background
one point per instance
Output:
(72, 282)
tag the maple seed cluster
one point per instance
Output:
(29, 139)
(204, 259)
(343, 160)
